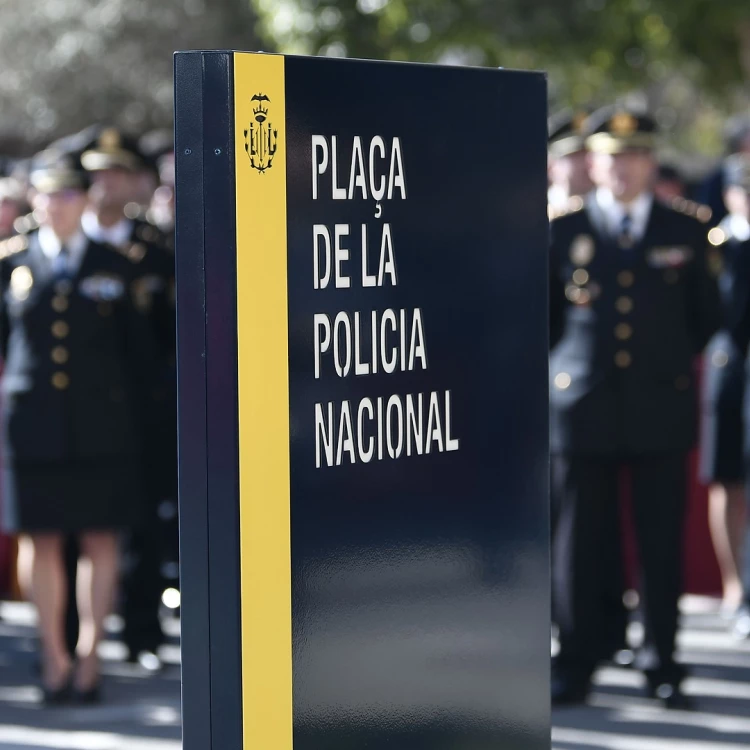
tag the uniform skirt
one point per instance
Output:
(71, 496)
(721, 445)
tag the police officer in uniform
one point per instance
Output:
(116, 164)
(722, 465)
(75, 349)
(733, 237)
(633, 301)
(567, 164)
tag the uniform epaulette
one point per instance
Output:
(16, 244)
(25, 224)
(135, 252)
(574, 205)
(697, 210)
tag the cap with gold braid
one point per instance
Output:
(113, 149)
(53, 171)
(613, 130)
(567, 132)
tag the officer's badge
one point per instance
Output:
(21, 282)
(109, 139)
(144, 289)
(623, 124)
(102, 287)
(669, 257)
(136, 252)
(261, 138)
(582, 249)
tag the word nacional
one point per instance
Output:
(368, 343)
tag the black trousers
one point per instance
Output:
(143, 584)
(587, 558)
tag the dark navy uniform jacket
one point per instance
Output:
(724, 370)
(151, 250)
(625, 328)
(738, 323)
(155, 295)
(148, 248)
(77, 354)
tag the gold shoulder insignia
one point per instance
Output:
(148, 233)
(135, 252)
(16, 244)
(574, 205)
(691, 208)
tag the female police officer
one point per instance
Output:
(724, 385)
(73, 344)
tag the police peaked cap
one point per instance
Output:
(613, 130)
(56, 169)
(567, 132)
(110, 148)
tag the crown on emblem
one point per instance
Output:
(109, 138)
(623, 124)
(260, 111)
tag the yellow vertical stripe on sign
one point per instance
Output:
(262, 354)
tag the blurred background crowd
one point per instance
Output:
(87, 162)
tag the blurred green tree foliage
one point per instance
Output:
(689, 55)
(67, 63)
(588, 45)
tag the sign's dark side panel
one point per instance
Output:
(390, 405)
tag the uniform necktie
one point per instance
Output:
(625, 237)
(62, 262)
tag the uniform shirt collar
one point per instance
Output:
(117, 235)
(50, 244)
(612, 212)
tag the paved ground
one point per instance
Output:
(142, 712)
(618, 717)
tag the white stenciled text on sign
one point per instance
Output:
(368, 342)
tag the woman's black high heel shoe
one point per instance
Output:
(58, 696)
(89, 697)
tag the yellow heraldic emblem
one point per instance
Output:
(623, 124)
(579, 121)
(109, 139)
(582, 249)
(261, 137)
(21, 282)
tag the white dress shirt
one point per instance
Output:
(607, 213)
(117, 235)
(51, 245)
